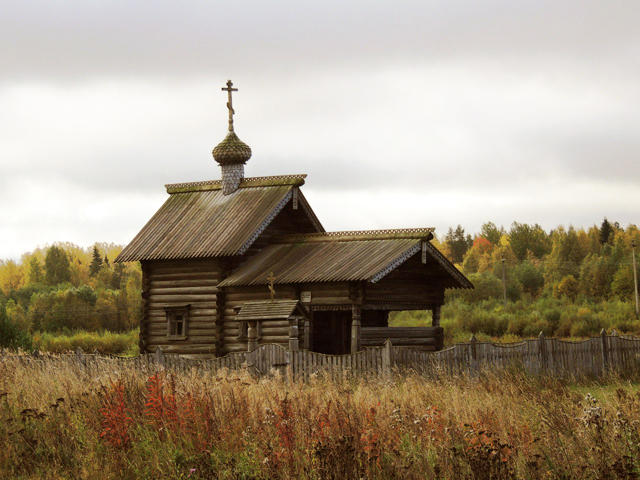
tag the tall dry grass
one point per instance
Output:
(59, 419)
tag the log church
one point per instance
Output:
(233, 263)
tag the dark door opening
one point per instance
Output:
(332, 332)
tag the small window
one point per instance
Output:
(177, 319)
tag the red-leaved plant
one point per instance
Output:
(116, 418)
(160, 406)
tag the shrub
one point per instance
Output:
(486, 286)
(494, 324)
(567, 287)
(622, 284)
(11, 335)
(586, 324)
(103, 342)
(530, 277)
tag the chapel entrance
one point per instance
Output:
(332, 332)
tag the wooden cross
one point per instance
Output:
(271, 279)
(229, 88)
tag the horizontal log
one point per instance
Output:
(182, 277)
(315, 293)
(189, 290)
(331, 301)
(191, 282)
(260, 289)
(280, 332)
(234, 329)
(191, 339)
(235, 298)
(193, 320)
(209, 329)
(185, 349)
(233, 323)
(401, 331)
(192, 323)
(187, 266)
(274, 323)
(182, 298)
(199, 320)
(193, 313)
(194, 305)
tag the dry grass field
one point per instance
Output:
(58, 421)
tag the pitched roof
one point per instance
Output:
(198, 221)
(267, 310)
(338, 256)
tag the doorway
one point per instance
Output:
(332, 332)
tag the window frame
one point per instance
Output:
(171, 314)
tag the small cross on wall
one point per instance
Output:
(271, 279)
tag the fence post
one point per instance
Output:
(474, 353)
(159, 357)
(605, 351)
(543, 353)
(386, 357)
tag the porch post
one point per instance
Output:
(435, 311)
(356, 311)
(307, 334)
(293, 334)
(252, 336)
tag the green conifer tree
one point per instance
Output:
(606, 230)
(96, 262)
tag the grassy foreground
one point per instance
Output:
(58, 421)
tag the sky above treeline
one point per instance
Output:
(404, 114)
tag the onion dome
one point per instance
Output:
(231, 150)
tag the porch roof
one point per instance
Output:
(267, 310)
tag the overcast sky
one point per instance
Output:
(403, 113)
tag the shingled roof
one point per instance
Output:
(339, 256)
(198, 221)
(267, 310)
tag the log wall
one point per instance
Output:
(272, 331)
(409, 284)
(212, 327)
(174, 283)
(420, 338)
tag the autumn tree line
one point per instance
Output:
(65, 288)
(568, 282)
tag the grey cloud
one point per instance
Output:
(79, 40)
(463, 105)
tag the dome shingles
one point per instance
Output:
(231, 150)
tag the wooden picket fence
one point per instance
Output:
(592, 357)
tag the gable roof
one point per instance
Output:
(198, 221)
(339, 256)
(267, 310)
